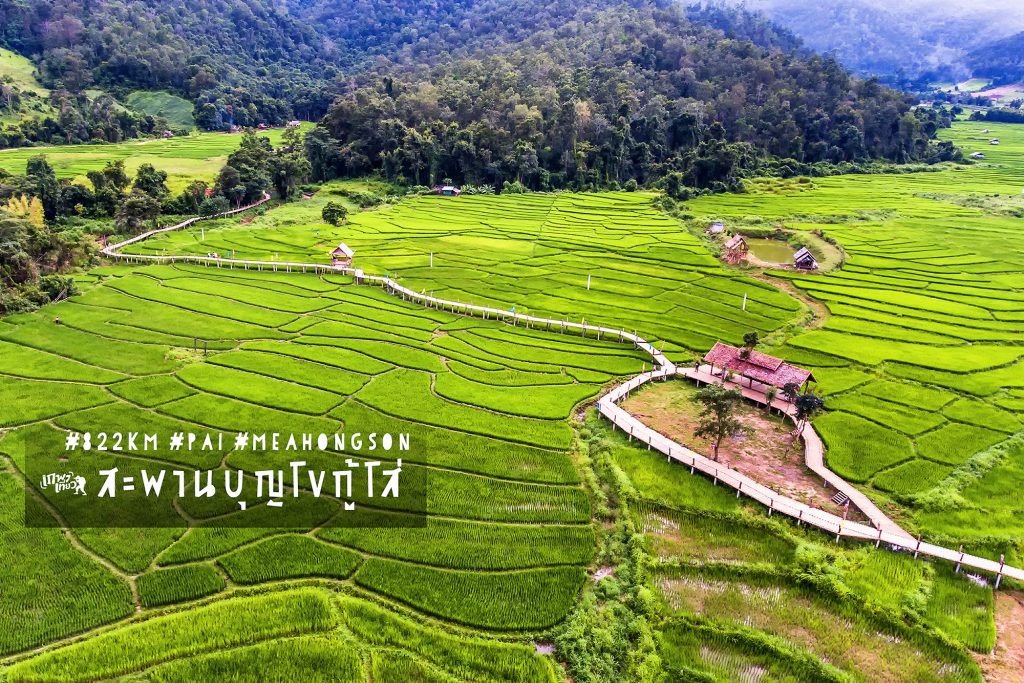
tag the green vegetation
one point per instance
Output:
(205, 629)
(525, 501)
(470, 658)
(314, 659)
(173, 109)
(286, 557)
(502, 601)
(189, 582)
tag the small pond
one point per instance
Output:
(771, 251)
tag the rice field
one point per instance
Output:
(505, 550)
(196, 156)
(921, 352)
(920, 360)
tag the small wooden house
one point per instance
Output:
(167, 134)
(994, 141)
(757, 367)
(978, 155)
(804, 260)
(737, 244)
(294, 124)
(341, 257)
(447, 191)
(716, 228)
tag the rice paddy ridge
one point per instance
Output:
(607, 404)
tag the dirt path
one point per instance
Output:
(819, 311)
(1006, 663)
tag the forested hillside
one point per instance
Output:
(241, 62)
(629, 93)
(1002, 61)
(905, 43)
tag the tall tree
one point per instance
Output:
(717, 418)
(47, 187)
(149, 180)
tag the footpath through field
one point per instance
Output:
(884, 530)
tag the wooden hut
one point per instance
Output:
(716, 228)
(804, 260)
(737, 243)
(756, 367)
(341, 257)
(447, 191)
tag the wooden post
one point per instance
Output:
(999, 576)
(879, 541)
(839, 532)
(771, 506)
(716, 476)
(739, 489)
(800, 517)
(960, 561)
(917, 548)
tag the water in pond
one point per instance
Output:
(772, 251)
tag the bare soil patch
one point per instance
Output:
(764, 451)
(1006, 663)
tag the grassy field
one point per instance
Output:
(199, 155)
(176, 110)
(20, 71)
(919, 358)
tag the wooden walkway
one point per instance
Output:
(883, 530)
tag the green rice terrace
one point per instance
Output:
(547, 530)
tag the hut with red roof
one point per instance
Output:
(756, 366)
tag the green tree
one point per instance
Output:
(213, 206)
(334, 213)
(47, 187)
(807, 406)
(717, 418)
(149, 180)
(288, 165)
(135, 210)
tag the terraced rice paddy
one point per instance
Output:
(920, 358)
(926, 311)
(293, 353)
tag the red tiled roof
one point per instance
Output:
(759, 367)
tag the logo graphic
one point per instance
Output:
(60, 482)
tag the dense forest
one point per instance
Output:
(241, 62)
(61, 117)
(1002, 61)
(628, 93)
